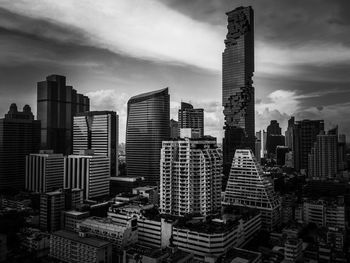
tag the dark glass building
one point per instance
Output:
(274, 137)
(191, 118)
(174, 129)
(147, 126)
(98, 131)
(57, 104)
(304, 136)
(19, 136)
(237, 89)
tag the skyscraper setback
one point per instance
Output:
(57, 104)
(237, 89)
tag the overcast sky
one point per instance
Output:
(111, 50)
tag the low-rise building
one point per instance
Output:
(35, 241)
(293, 249)
(71, 218)
(67, 246)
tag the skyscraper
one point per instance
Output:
(289, 133)
(247, 186)
(190, 181)
(44, 172)
(323, 162)
(57, 104)
(274, 137)
(19, 136)
(237, 89)
(98, 131)
(191, 118)
(304, 137)
(174, 129)
(147, 126)
(88, 172)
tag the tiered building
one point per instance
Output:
(247, 186)
(97, 131)
(190, 181)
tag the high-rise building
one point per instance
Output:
(19, 136)
(247, 186)
(281, 152)
(44, 172)
(342, 164)
(237, 90)
(304, 137)
(147, 126)
(57, 104)
(174, 129)
(323, 162)
(97, 131)
(190, 181)
(52, 204)
(191, 118)
(88, 172)
(289, 133)
(274, 137)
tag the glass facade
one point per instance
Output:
(148, 124)
(237, 89)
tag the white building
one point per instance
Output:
(44, 172)
(190, 177)
(88, 172)
(248, 187)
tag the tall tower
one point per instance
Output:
(19, 136)
(98, 131)
(148, 124)
(237, 89)
(191, 118)
(190, 177)
(57, 104)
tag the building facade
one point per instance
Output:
(147, 126)
(88, 172)
(237, 90)
(247, 186)
(19, 136)
(191, 174)
(57, 104)
(97, 131)
(44, 172)
(191, 118)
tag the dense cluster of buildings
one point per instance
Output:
(183, 197)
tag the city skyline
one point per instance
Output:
(300, 71)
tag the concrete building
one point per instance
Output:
(88, 172)
(190, 177)
(174, 129)
(323, 162)
(248, 187)
(19, 136)
(35, 241)
(97, 131)
(71, 218)
(44, 172)
(70, 247)
(191, 118)
(149, 192)
(293, 249)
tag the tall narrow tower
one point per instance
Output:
(237, 89)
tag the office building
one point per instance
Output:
(293, 249)
(57, 104)
(342, 163)
(273, 137)
(191, 118)
(52, 204)
(71, 218)
(72, 247)
(97, 131)
(258, 145)
(19, 136)
(281, 152)
(323, 163)
(174, 129)
(248, 187)
(304, 136)
(289, 133)
(147, 126)
(88, 172)
(237, 90)
(191, 174)
(44, 172)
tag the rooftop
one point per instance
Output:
(84, 240)
(148, 95)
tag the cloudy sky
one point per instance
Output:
(114, 49)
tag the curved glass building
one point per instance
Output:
(147, 126)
